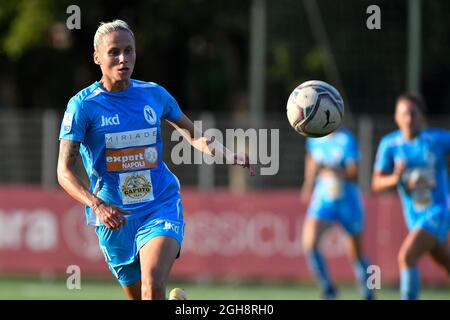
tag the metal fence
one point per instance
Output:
(29, 144)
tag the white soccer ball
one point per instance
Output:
(315, 109)
(177, 294)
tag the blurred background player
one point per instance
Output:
(413, 159)
(331, 172)
(134, 199)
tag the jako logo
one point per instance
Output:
(109, 121)
(171, 226)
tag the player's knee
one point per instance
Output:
(355, 254)
(406, 258)
(309, 245)
(309, 242)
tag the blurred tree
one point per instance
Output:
(198, 50)
(30, 21)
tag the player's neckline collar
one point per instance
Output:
(413, 140)
(121, 92)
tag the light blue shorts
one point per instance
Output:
(121, 247)
(347, 212)
(435, 220)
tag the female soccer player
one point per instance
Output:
(414, 160)
(134, 199)
(331, 168)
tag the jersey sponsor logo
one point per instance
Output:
(131, 159)
(67, 122)
(110, 121)
(136, 187)
(135, 138)
(150, 115)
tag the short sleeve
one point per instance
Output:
(172, 111)
(74, 123)
(384, 160)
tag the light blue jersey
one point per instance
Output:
(121, 145)
(334, 198)
(425, 159)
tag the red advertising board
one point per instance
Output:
(256, 235)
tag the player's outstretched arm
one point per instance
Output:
(209, 146)
(68, 152)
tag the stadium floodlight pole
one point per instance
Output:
(414, 45)
(257, 60)
(320, 35)
(206, 173)
(257, 79)
(365, 138)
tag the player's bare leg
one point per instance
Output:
(313, 229)
(416, 243)
(354, 247)
(360, 264)
(157, 257)
(441, 254)
(133, 291)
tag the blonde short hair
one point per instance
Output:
(107, 27)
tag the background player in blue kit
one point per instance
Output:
(414, 160)
(133, 199)
(331, 172)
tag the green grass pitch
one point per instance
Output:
(24, 288)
